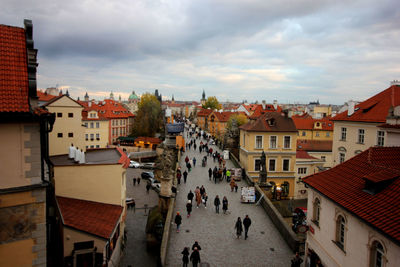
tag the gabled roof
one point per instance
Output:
(96, 218)
(259, 110)
(224, 116)
(314, 145)
(108, 108)
(43, 96)
(374, 109)
(345, 183)
(14, 96)
(307, 123)
(204, 112)
(300, 154)
(270, 122)
(55, 99)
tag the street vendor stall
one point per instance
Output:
(236, 173)
(248, 195)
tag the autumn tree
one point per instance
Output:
(212, 103)
(149, 119)
(231, 137)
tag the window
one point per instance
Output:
(361, 134)
(381, 138)
(97, 146)
(70, 134)
(317, 134)
(328, 134)
(302, 170)
(323, 158)
(342, 157)
(59, 135)
(272, 163)
(97, 124)
(86, 137)
(303, 133)
(86, 124)
(91, 137)
(91, 125)
(343, 134)
(377, 254)
(70, 115)
(97, 137)
(113, 122)
(316, 211)
(286, 165)
(286, 142)
(340, 231)
(259, 141)
(59, 115)
(92, 146)
(257, 164)
(272, 141)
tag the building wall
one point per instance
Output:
(326, 156)
(358, 237)
(311, 166)
(102, 131)
(315, 135)
(66, 125)
(351, 145)
(118, 127)
(23, 228)
(100, 183)
(72, 236)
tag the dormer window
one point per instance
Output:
(271, 122)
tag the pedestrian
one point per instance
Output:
(217, 202)
(196, 245)
(236, 187)
(194, 162)
(205, 198)
(190, 196)
(148, 186)
(189, 208)
(202, 190)
(185, 174)
(239, 227)
(189, 166)
(232, 184)
(187, 159)
(138, 181)
(195, 257)
(178, 177)
(185, 258)
(134, 181)
(246, 223)
(224, 204)
(198, 198)
(178, 221)
(228, 175)
(296, 261)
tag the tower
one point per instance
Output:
(203, 98)
(86, 97)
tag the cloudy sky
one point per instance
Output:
(289, 50)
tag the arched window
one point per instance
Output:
(316, 211)
(340, 231)
(377, 255)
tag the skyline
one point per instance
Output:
(289, 51)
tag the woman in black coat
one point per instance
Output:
(239, 227)
(185, 258)
(189, 208)
(224, 204)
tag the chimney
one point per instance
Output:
(350, 109)
(263, 104)
(71, 151)
(77, 154)
(275, 104)
(82, 159)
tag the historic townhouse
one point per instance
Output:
(317, 148)
(202, 118)
(353, 211)
(356, 129)
(305, 165)
(217, 122)
(275, 134)
(313, 129)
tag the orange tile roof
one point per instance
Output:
(124, 160)
(307, 123)
(108, 108)
(344, 184)
(96, 218)
(281, 124)
(13, 70)
(300, 154)
(314, 145)
(204, 112)
(44, 96)
(259, 110)
(375, 108)
(225, 115)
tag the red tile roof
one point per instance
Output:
(259, 110)
(314, 145)
(389, 126)
(108, 108)
(281, 123)
(146, 139)
(124, 160)
(13, 70)
(300, 154)
(44, 96)
(225, 115)
(307, 123)
(96, 218)
(204, 112)
(344, 184)
(374, 109)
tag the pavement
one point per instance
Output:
(215, 232)
(135, 252)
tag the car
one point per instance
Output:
(147, 175)
(155, 184)
(134, 164)
(148, 165)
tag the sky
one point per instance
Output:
(293, 51)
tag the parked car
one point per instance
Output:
(147, 175)
(134, 164)
(148, 165)
(155, 184)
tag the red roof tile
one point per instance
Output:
(374, 109)
(307, 123)
(225, 115)
(44, 96)
(124, 158)
(300, 154)
(314, 145)
(108, 108)
(96, 218)
(344, 184)
(13, 70)
(259, 110)
(204, 112)
(281, 123)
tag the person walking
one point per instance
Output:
(190, 196)
(185, 174)
(246, 224)
(194, 162)
(178, 177)
(195, 257)
(296, 261)
(198, 198)
(134, 181)
(210, 172)
(232, 184)
(224, 204)
(196, 245)
(148, 187)
(205, 198)
(138, 181)
(178, 221)
(239, 227)
(189, 208)
(185, 257)
(202, 190)
(217, 202)
(228, 175)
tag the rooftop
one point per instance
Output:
(314, 145)
(270, 122)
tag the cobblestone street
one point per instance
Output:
(215, 232)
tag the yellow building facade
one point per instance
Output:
(96, 130)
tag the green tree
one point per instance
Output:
(149, 119)
(212, 103)
(239, 118)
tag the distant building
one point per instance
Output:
(203, 98)
(305, 165)
(320, 149)
(353, 214)
(313, 129)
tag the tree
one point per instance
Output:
(231, 137)
(149, 119)
(239, 118)
(212, 103)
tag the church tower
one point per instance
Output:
(86, 97)
(203, 98)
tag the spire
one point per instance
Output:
(66, 93)
(203, 95)
(120, 100)
(173, 97)
(111, 95)
(86, 97)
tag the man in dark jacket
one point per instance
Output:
(185, 174)
(196, 245)
(217, 202)
(190, 196)
(210, 172)
(195, 257)
(178, 221)
(246, 223)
